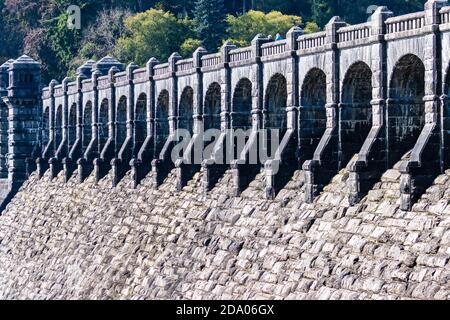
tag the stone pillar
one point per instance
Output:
(141, 162)
(24, 110)
(62, 151)
(192, 158)
(107, 154)
(225, 119)
(173, 97)
(324, 165)
(125, 152)
(212, 170)
(418, 172)
(162, 165)
(286, 162)
(372, 159)
(242, 171)
(151, 97)
(76, 151)
(49, 149)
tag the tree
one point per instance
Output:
(189, 46)
(100, 38)
(11, 35)
(210, 22)
(323, 10)
(242, 29)
(153, 33)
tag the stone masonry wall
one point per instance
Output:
(74, 241)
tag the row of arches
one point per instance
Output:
(240, 114)
(405, 112)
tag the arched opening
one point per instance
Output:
(406, 112)
(241, 113)
(45, 128)
(212, 107)
(140, 121)
(103, 124)
(275, 103)
(4, 126)
(162, 120)
(185, 110)
(313, 115)
(355, 113)
(72, 125)
(58, 126)
(87, 125)
(121, 122)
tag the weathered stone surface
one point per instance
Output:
(103, 243)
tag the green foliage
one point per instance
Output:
(100, 38)
(63, 41)
(38, 27)
(189, 46)
(210, 22)
(153, 33)
(311, 27)
(242, 29)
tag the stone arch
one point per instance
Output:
(406, 112)
(355, 113)
(102, 125)
(58, 125)
(212, 107)
(162, 119)
(275, 103)
(4, 126)
(185, 109)
(140, 121)
(87, 125)
(121, 122)
(241, 113)
(313, 115)
(72, 125)
(45, 127)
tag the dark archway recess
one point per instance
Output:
(140, 122)
(121, 123)
(161, 120)
(212, 107)
(313, 115)
(274, 112)
(4, 127)
(45, 128)
(185, 110)
(355, 113)
(275, 125)
(87, 125)
(406, 112)
(241, 113)
(275, 103)
(58, 126)
(102, 126)
(72, 125)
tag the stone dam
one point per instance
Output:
(93, 207)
